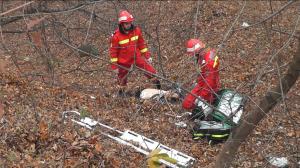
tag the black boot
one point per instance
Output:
(137, 93)
(157, 84)
(121, 93)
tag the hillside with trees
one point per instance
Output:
(54, 57)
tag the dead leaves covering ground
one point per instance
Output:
(33, 133)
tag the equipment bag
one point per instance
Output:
(211, 130)
(229, 107)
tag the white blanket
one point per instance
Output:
(150, 93)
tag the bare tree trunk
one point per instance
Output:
(270, 99)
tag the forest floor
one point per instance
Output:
(33, 97)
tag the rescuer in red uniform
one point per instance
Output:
(208, 78)
(128, 48)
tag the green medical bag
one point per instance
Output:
(229, 107)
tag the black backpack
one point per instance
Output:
(211, 130)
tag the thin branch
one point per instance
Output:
(13, 19)
(284, 32)
(230, 29)
(46, 12)
(90, 23)
(267, 18)
(16, 8)
(196, 19)
(158, 42)
(261, 72)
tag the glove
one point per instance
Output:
(116, 71)
(149, 60)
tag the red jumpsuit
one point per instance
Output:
(125, 50)
(208, 80)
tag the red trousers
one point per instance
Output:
(203, 92)
(141, 63)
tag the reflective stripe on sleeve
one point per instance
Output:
(124, 41)
(216, 61)
(144, 50)
(113, 59)
(134, 38)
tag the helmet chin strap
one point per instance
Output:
(199, 55)
(124, 30)
(128, 29)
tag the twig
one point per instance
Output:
(230, 29)
(47, 12)
(260, 74)
(90, 23)
(267, 18)
(196, 19)
(283, 32)
(16, 8)
(158, 42)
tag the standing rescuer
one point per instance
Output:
(208, 82)
(128, 48)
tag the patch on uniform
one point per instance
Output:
(212, 55)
